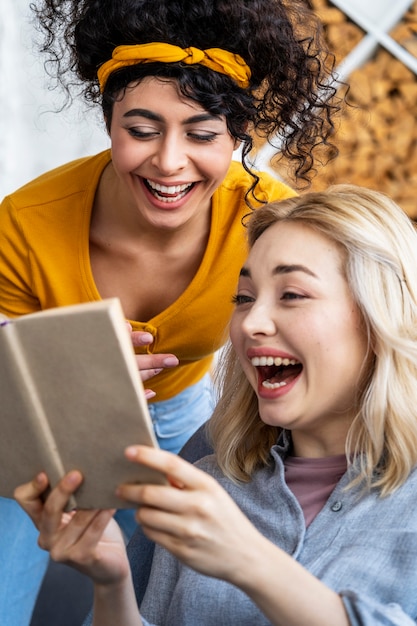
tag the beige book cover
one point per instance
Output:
(71, 397)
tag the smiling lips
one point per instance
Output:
(276, 372)
(168, 193)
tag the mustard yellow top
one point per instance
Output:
(44, 262)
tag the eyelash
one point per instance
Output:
(137, 134)
(241, 299)
(203, 138)
(291, 295)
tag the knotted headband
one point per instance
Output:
(214, 58)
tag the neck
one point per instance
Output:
(313, 447)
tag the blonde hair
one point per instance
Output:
(380, 246)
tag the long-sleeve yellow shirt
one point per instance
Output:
(44, 262)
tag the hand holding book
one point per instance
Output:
(71, 398)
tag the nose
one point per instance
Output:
(170, 155)
(260, 320)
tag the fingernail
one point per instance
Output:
(73, 478)
(146, 338)
(131, 452)
(170, 361)
(39, 478)
(149, 394)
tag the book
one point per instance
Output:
(71, 397)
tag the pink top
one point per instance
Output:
(313, 480)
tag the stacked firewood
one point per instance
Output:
(377, 133)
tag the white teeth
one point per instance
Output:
(269, 385)
(261, 361)
(170, 189)
(169, 199)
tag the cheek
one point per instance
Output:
(236, 332)
(233, 330)
(118, 153)
(127, 160)
(217, 162)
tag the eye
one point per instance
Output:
(240, 299)
(292, 295)
(203, 137)
(138, 133)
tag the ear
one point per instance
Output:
(237, 144)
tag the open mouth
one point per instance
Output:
(168, 193)
(275, 372)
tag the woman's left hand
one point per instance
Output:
(194, 518)
(88, 540)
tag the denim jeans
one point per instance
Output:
(174, 421)
(22, 565)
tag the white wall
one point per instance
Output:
(33, 136)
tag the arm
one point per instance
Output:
(200, 524)
(16, 296)
(89, 541)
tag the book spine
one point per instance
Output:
(39, 426)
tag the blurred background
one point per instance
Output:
(33, 136)
(375, 44)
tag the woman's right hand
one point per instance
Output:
(88, 540)
(150, 365)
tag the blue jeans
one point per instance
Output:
(174, 421)
(22, 564)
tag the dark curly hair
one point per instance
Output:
(291, 96)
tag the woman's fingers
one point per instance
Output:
(150, 365)
(179, 472)
(75, 540)
(53, 516)
(29, 496)
(194, 517)
(89, 540)
(189, 488)
(32, 491)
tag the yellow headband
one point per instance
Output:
(215, 58)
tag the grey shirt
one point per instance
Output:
(362, 546)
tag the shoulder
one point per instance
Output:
(64, 181)
(209, 465)
(377, 510)
(269, 188)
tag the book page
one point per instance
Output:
(27, 443)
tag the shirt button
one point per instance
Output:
(336, 506)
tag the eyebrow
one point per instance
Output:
(282, 269)
(150, 115)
